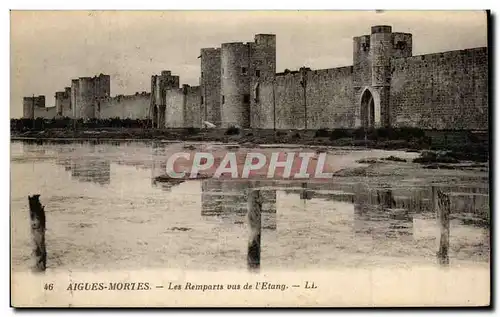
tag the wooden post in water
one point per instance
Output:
(443, 215)
(37, 217)
(255, 223)
(433, 202)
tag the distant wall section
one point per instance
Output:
(125, 107)
(45, 112)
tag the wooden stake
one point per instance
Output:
(443, 211)
(254, 220)
(37, 216)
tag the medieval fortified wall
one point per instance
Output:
(385, 86)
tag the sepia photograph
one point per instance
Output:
(250, 158)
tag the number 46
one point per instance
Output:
(49, 287)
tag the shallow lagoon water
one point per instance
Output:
(105, 212)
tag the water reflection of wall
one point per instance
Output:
(417, 199)
(375, 214)
(32, 148)
(91, 169)
(159, 165)
(378, 212)
(228, 200)
(388, 212)
(64, 157)
(85, 167)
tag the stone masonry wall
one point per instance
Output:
(45, 112)
(174, 112)
(441, 91)
(328, 100)
(125, 107)
(289, 100)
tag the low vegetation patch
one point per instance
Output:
(322, 133)
(428, 157)
(232, 131)
(394, 158)
(367, 161)
(192, 131)
(439, 166)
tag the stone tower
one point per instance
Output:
(381, 54)
(63, 102)
(372, 71)
(85, 98)
(74, 94)
(87, 94)
(235, 84)
(59, 100)
(263, 56)
(210, 82)
(159, 86)
(242, 66)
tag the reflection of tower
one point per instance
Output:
(159, 165)
(159, 168)
(269, 209)
(228, 199)
(211, 197)
(376, 215)
(234, 197)
(86, 167)
(305, 193)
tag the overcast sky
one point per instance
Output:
(49, 48)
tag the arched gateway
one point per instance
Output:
(370, 109)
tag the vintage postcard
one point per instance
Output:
(250, 159)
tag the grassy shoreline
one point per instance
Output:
(459, 145)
